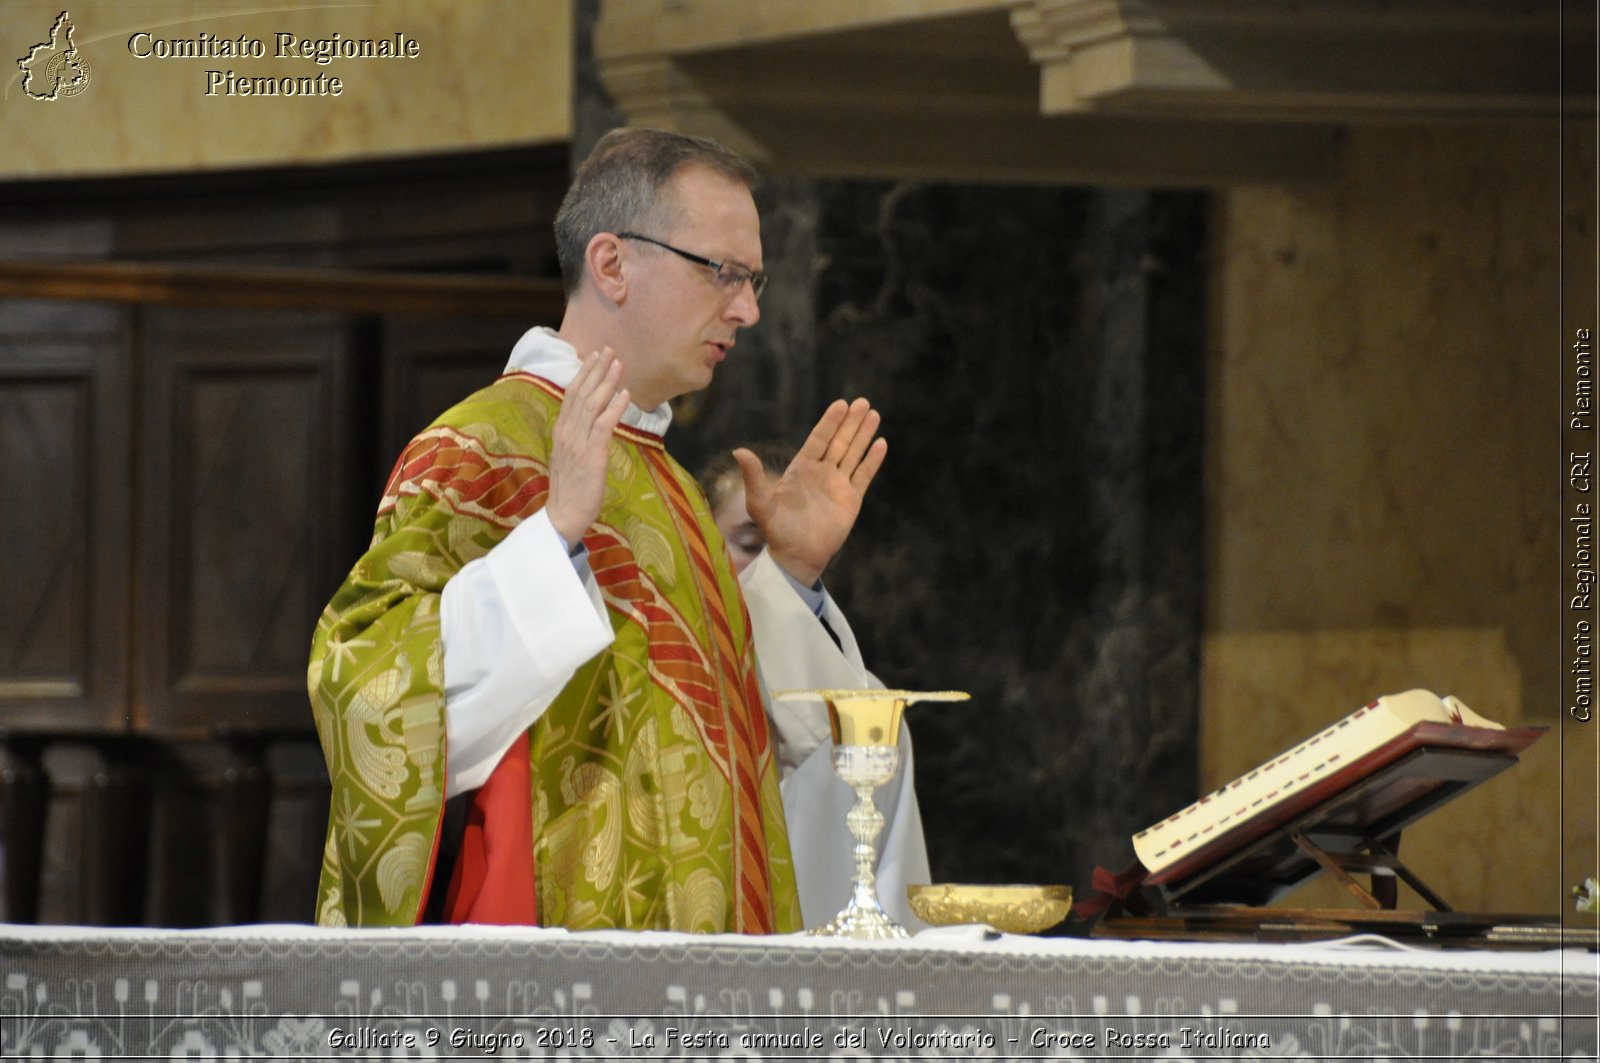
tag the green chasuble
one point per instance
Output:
(655, 792)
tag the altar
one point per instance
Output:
(962, 992)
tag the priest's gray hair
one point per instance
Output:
(618, 188)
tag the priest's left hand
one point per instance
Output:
(807, 513)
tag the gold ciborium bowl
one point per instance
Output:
(1012, 909)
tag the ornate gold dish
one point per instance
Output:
(1012, 909)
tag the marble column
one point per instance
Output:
(1036, 535)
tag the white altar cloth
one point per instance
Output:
(527, 993)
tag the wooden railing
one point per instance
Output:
(272, 288)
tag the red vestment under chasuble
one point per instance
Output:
(645, 796)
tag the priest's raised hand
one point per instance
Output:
(591, 409)
(806, 514)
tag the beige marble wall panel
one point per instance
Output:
(1580, 809)
(1383, 473)
(486, 74)
(679, 26)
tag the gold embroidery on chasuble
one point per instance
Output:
(662, 766)
(655, 798)
(376, 675)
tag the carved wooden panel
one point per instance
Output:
(96, 859)
(64, 516)
(245, 453)
(431, 365)
(182, 491)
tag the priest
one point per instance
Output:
(538, 691)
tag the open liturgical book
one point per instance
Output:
(1376, 734)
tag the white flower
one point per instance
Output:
(76, 1045)
(296, 1037)
(1588, 896)
(193, 1045)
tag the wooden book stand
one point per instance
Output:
(1353, 830)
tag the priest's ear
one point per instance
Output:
(603, 262)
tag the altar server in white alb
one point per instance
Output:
(804, 641)
(537, 691)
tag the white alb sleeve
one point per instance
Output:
(516, 624)
(793, 651)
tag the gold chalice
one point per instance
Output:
(866, 754)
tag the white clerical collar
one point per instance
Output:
(544, 354)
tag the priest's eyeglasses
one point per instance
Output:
(727, 275)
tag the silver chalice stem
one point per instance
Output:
(866, 754)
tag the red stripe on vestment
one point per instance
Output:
(750, 855)
(462, 473)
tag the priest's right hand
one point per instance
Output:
(593, 405)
